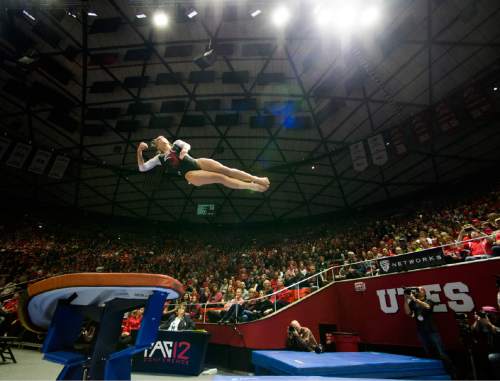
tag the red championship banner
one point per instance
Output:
(397, 140)
(421, 126)
(358, 156)
(378, 149)
(446, 118)
(476, 103)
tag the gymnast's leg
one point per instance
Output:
(201, 177)
(214, 166)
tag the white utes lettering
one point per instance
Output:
(456, 298)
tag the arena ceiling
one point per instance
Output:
(286, 104)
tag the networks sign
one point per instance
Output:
(412, 261)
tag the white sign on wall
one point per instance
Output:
(378, 149)
(40, 162)
(19, 155)
(59, 167)
(358, 156)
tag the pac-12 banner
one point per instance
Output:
(412, 261)
(177, 352)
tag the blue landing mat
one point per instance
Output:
(347, 364)
(291, 378)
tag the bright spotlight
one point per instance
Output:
(255, 13)
(345, 17)
(281, 16)
(191, 13)
(160, 19)
(92, 14)
(324, 15)
(28, 15)
(370, 16)
(141, 16)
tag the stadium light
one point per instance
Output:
(207, 59)
(345, 17)
(28, 15)
(160, 19)
(281, 16)
(141, 16)
(370, 16)
(191, 13)
(324, 15)
(255, 13)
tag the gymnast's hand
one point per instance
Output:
(183, 153)
(143, 146)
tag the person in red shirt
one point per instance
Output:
(452, 252)
(131, 323)
(480, 246)
(495, 236)
(284, 295)
(8, 314)
(194, 307)
(215, 295)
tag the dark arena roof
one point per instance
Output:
(339, 108)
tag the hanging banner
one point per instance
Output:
(476, 103)
(446, 119)
(40, 162)
(358, 156)
(398, 141)
(421, 123)
(19, 155)
(59, 167)
(4, 146)
(378, 149)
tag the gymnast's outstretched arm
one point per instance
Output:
(148, 165)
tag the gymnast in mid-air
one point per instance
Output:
(200, 171)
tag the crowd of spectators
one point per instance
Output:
(229, 266)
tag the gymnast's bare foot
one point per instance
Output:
(257, 187)
(262, 181)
